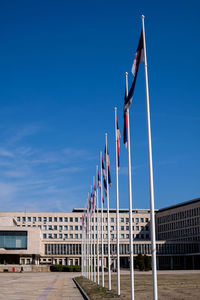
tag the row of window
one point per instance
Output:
(180, 215)
(180, 233)
(180, 224)
(48, 219)
(75, 219)
(62, 236)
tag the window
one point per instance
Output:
(76, 219)
(80, 236)
(39, 219)
(34, 219)
(137, 228)
(65, 236)
(60, 235)
(122, 227)
(66, 219)
(50, 235)
(127, 220)
(50, 219)
(70, 227)
(71, 236)
(44, 235)
(146, 220)
(50, 227)
(24, 219)
(127, 236)
(44, 227)
(45, 219)
(137, 220)
(112, 236)
(122, 220)
(76, 236)
(71, 219)
(142, 220)
(60, 227)
(55, 219)
(122, 236)
(13, 239)
(29, 219)
(55, 235)
(18, 219)
(60, 219)
(112, 228)
(55, 227)
(133, 227)
(81, 227)
(76, 227)
(112, 220)
(65, 227)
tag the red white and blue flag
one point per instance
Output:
(94, 196)
(98, 179)
(104, 176)
(139, 56)
(107, 161)
(118, 142)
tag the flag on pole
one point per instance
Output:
(94, 196)
(107, 161)
(104, 177)
(98, 179)
(139, 56)
(118, 141)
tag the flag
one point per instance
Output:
(94, 196)
(89, 203)
(103, 199)
(98, 179)
(139, 56)
(104, 177)
(107, 160)
(118, 141)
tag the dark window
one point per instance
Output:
(13, 239)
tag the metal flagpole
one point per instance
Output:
(102, 245)
(108, 217)
(130, 199)
(117, 208)
(151, 186)
(91, 244)
(94, 224)
(97, 185)
(82, 254)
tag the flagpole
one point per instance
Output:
(102, 245)
(130, 199)
(94, 224)
(117, 207)
(91, 250)
(97, 180)
(89, 243)
(151, 186)
(108, 217)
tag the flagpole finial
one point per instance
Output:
(106, 134)
(115, 108)
(126, 73)
(142, 16)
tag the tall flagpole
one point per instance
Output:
(94, 224)
(117, 207)
(130, 199)
(97, 185)
(151, 186)
(102, 245)
(108, 217)
(91, 250)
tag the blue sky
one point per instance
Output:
(62, 72)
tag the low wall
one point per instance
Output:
(24, 268)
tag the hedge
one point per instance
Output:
(61, 268)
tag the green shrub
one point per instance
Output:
(61, 268)
(142, 262)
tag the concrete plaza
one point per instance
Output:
(38, 286)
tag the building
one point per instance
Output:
(179, 226)
(56, 238)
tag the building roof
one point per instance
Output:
(179, 205)
(113, 210)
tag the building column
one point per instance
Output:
(171, 263)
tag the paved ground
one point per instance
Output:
(38, 286)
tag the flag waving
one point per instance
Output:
(104, 177)
(98, 179)
(107, 161)
(137, 59)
